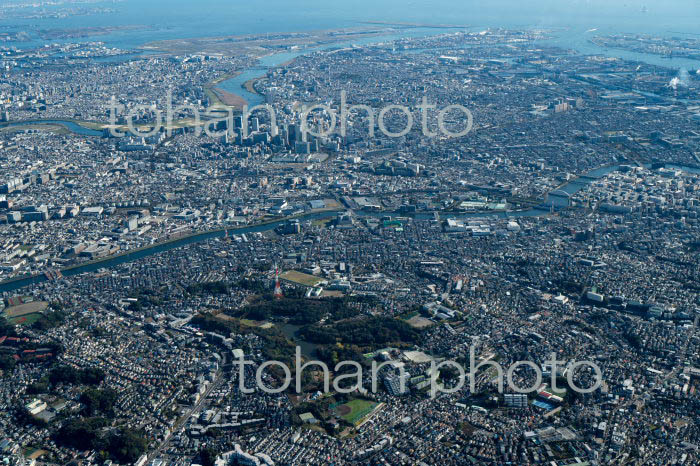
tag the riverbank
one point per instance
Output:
(237, 89)
(221, 98)
(571, 187)
(228, 99)
(250, 86)
(172, 243)
(83, 128)
(165, 245)
(46, 127)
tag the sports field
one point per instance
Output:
(25, 314)
(25, 309)
(301, 278)
(355, 411)
(26, 319)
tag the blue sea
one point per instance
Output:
(575, 21)
(169, 19)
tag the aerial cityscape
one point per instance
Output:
(376, 233)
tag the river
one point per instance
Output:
(219, 18)
(236, 84)
(130, 256)
(576, 38)
(571, 38)
(71, 126)
(571, 187)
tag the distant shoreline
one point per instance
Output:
(417, 25)
(259, 45)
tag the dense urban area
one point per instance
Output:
(139, 272)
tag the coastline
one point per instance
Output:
(416, 25)
(258, 45)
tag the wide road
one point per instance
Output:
(195, 410)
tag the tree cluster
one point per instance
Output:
(99, 401)
(72, 376)
(299, 311)
(372, 331)
(122, 445)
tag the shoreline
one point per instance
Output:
(258, 45)
(250, 86)
(417, 25)
(220, 97)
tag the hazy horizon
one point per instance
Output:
(218, 17)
